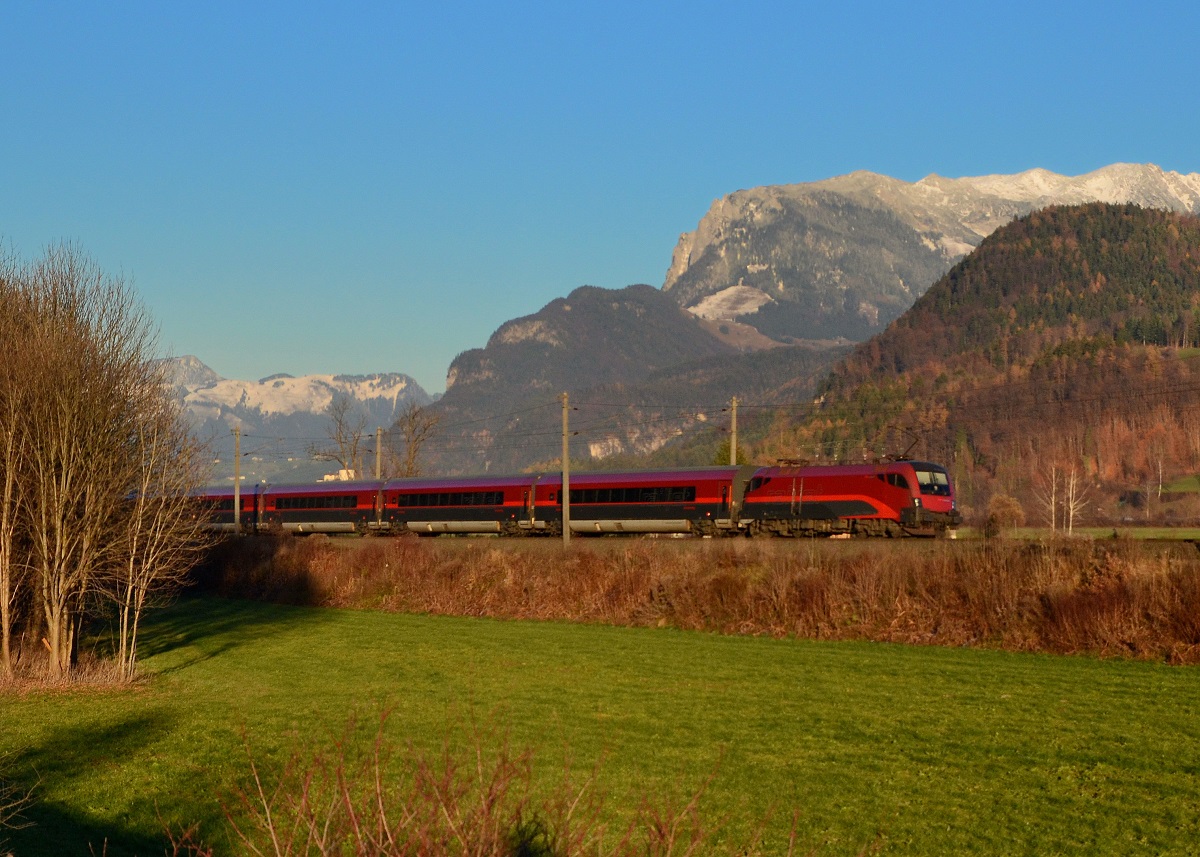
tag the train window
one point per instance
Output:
(655, 494)
(652, 494)
(451, 498)
(934, 482)
(340, 501)
(896, 479)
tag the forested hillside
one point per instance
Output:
(1065, 345)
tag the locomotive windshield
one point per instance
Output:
(932, 481)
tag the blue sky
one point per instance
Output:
(362, 187)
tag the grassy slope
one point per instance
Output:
(942, 751)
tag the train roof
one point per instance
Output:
(848, 469)
(331, 487)
(458, 483)
(594, 477)
(658, 477)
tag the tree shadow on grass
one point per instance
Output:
(63, 762)
(201, 628)
(67, 760)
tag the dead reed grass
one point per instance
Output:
(31, 673)
(1117, 598)
(363, 796)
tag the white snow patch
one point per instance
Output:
(729, 303)
(286, 395)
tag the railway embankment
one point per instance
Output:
(1110, 598)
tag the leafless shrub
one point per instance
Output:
(14, 800)
(1003, 512)
(371, 797)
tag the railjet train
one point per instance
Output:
(895, 498)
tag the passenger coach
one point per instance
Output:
(888, 499)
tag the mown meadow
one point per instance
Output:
(855, 746)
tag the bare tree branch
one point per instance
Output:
(411, 429)
(348, 423)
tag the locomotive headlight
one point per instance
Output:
(917, 502)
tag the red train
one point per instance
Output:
(887, 499)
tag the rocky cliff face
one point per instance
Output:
(593, 336)
(841, 258)
(500, 410)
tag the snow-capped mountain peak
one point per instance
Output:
(207, 396)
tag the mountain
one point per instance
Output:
(841, 258)
(1067, 342)
(187, 373)
(593, 336)
(281, 415)
(641, 373)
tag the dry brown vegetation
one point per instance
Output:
(367, 797)
(1114, 597)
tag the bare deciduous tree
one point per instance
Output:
(411, 429)
(347, 426)
(91, 339)
(14, 323)
(1046, 491)
(164, 534)
(90, 444)
(1075, 494)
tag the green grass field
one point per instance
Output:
(1184, 485)
(1140, 533)
(934, 751)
